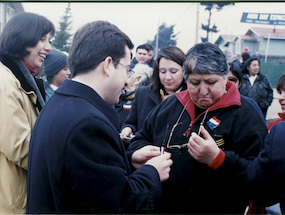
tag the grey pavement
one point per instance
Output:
(274, 108)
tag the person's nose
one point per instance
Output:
(203, 89)
(48, 46)
(168, 76)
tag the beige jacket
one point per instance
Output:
(18, 116)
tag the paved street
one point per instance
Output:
(274, 108)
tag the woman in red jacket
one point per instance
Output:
(212, 133)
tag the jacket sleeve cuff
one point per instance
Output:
(219, 160)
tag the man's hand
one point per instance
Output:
(141, 156)
(162, 164)
(151, 155)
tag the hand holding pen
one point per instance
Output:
(162, 148)
(163, 144)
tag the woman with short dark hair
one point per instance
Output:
(24, 44)
(212, 133)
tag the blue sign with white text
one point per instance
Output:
(263, 18)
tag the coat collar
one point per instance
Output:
(76, 89)
(282, 116)
(27, 80)
(154, 96)
(232, 97)
(18, 73)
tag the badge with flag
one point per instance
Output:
(213, 123)
(127, 106)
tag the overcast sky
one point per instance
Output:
(140, 20)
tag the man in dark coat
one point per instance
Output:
(77, 161)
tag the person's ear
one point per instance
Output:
(239, 84)
(107, 65)
(138, 80)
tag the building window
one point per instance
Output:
(9, 13)
(6, 12)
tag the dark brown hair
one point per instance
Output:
(171, 53)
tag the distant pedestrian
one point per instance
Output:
(244, 57)
(56, 71)
(141, 56)
(150, 59)
(235, 75)
(255, 85)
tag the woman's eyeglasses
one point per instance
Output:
(184, 145)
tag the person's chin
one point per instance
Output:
(204, 104)
(39, 65)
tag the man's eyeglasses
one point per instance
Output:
(130, 72)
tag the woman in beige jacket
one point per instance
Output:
(24, 44)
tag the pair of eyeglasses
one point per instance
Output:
(183, 145)
(130, 72)
(167, 144)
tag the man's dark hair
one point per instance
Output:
(93, 43)
(148, 47)
(143, 46)
(236, 70)
(245, 56)
(24, 30)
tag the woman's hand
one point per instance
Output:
(203, 150)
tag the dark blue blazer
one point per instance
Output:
(266, 174)
(77, 161)
(145, 101)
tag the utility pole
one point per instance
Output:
(157, 37)
(267, 47)
(197, 23)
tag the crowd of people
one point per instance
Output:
(105, 132)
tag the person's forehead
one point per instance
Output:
(142, 51)
(204, 76)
